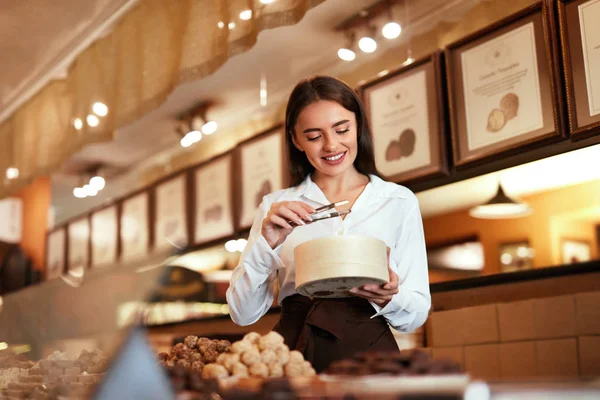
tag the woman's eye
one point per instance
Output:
(343, 130)
(312, 139)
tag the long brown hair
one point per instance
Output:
(318, 88)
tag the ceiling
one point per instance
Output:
(235, 90)
(41, 38)
(57, 30)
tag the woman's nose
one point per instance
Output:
(330, 143)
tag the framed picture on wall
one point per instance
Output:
(213, 197)
(580, 44)
(135, 226)
(463, 254)
(575, 251)
(79, 244)
(406, 112)
(170, 223)
(55, 253)
(260, 165)
(502, 86)
(516, 256)
(104, 236)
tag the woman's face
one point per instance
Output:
(326, 132)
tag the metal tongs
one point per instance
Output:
(324, 212)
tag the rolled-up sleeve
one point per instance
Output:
(251, 290)
(409, 308)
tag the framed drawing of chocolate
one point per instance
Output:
(134, 234)
(170, 218)
(502, 87)
(580, 44)
(79, 244)
(516, 256)
(55, 253)
(575, 251)
(213, 196)
(104, 236)
(260, 165)
(406, 114)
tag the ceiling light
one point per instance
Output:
(231, 246)
(79, 193)
(409, 58)
(209, 128)
(78, 123)
(231, 25)
(241, 244)
(499, 207)
(100, 109)
(90, 190)
(246, 15)
(12, 173)
(98, 183)
(263, 90)
(194, 136)
(267, 1)
(185, 141)
(221, 24)
(367, 44)
(92, 120)
(346, 54)
(391, 30)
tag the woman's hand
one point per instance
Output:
(275, 226)
(379, 294)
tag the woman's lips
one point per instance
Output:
(335, 158)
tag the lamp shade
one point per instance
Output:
(500, 207)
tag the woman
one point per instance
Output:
(331, 159)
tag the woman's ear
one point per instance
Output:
(296, 144)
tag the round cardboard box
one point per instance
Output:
(331, 266)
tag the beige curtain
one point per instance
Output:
(155, 47)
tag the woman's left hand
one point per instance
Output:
(379, 294)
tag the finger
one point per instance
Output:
(280, 222)
(304, 206)
(375, 290)
(290, 215)
(393, 283)
(301, 211)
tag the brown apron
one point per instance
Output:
(327, 330)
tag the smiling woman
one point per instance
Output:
(330, 154)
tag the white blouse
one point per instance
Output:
(384, 210)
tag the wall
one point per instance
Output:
(36, 199)
(549, 222)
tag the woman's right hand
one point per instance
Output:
(275, 226)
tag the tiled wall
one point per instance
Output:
(552, 337)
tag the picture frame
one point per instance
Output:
(515, 256)
(78, 238)
(104, 236)
(213, 199)
(575, 251)
(579, 40)
(462, 254)
(134, 226)
(496, 73)
(409, 100)
(170, 213)
(56, 253)
(261, 168)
